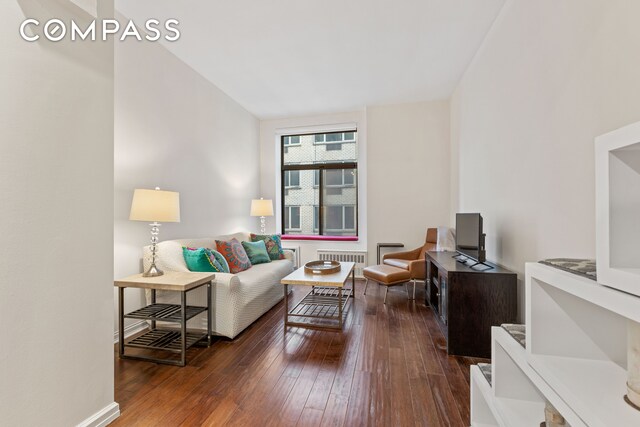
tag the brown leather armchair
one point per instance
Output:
(413, 260)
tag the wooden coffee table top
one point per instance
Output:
(301, 277)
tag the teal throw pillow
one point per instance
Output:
(257, 252)
(204, 260)
(273, 244)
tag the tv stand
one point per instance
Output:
(467, 302)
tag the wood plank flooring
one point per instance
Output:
(388, 367)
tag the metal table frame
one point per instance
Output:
(321, 302)
(165, 339)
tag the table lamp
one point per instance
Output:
(156, 206)
(262, 208)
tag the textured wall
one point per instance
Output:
(549, 78)
(56, 211)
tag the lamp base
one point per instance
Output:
(153, 271)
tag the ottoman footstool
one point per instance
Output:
(388, 276)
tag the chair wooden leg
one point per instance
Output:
(386, 289)
(414, 289)
(366, 282)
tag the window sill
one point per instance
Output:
(320, 238)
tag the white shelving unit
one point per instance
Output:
(577, 342)
(517, 394)
(618, 208)
(577, 330)
(483, 411)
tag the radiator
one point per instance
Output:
(359, 257)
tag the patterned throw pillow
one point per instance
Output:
(217, 258)
(257, 252)
(273, 244)
(204, 260)
(235, 255)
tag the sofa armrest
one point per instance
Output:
(228, 280)
(290, 255)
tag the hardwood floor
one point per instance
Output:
(387, 368)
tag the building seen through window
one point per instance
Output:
(320, 184)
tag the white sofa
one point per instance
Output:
(238, 299)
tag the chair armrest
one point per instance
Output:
(407, 255)
(418, 269)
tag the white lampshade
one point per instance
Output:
(155, 205)
(261, 207)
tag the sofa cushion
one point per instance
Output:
(265, 275)
(273, 244)
(257, 252)
(235, 255)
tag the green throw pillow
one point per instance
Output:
(204, 260)
(273, 244)
(257, 252)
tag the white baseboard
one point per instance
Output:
(102, 417)
(130, 330)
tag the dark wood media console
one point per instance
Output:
(467, 302)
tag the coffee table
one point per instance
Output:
(325, 303)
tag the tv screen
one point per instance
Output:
(469, 236)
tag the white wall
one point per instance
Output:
(408, 160)
(176, 130)
(403, 172)
(56, 181)
(549, 77)
(270, 133)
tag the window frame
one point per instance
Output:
(320, 167)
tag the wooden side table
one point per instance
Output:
(166, 339)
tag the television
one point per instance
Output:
(469, 236)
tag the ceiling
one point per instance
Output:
(284, 58)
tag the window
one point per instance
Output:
(316, 218)
(291, 140)
(292, 217)
(340, 178)
(291, 179)
(335, 137)
(325, 199)
(341, 218)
